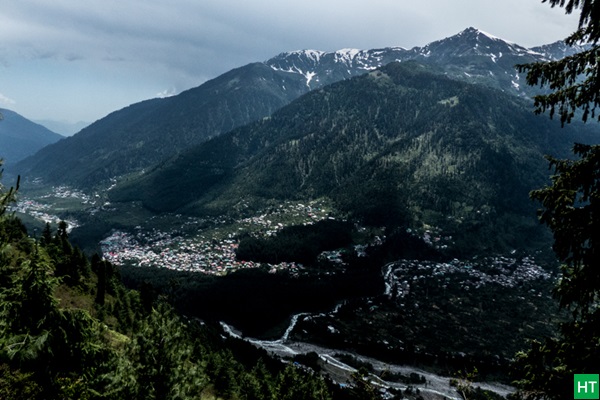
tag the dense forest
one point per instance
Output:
(301, 244)
(69, 329)
(77, 327)
(241, 298)
(400, 146)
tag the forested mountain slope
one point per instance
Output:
(146, 133)
(403, 145)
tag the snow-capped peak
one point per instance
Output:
(474, 41)
(348, 53)
(313, 55)
(477, 32)
(485, 55)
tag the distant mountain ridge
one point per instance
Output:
(558, 50)
(147, 133)
(20, 137)
(471, 55)
(63, 127)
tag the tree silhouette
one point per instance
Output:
(571, 208)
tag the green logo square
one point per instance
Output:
(586, 386)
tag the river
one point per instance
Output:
(436, 387)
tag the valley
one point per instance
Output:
(432, 315)
(364, 215)
(333, 354)
(177, 242)
(209, 245)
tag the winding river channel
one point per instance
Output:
(436, 387)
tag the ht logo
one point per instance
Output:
(586, 386)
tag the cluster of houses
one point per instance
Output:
(65, 192)
(41, 212)
(289, 213)
(503, 271)
(212, 253)
(216, 257)
(205, 253)
(160, 249)
(33, 208)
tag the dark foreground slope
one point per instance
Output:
(69, 329)
(399, 146)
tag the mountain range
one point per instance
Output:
(403, 145)
(441, 138)
(144, 134)
(20, 138)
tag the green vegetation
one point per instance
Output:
(300, 243)
(70, 330)
(149, 132)
(403, 148)
(254, 301)
(464, 386)
(444, 322)
(386, 152)
(241, 298)
(571, 206)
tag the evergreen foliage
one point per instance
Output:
(146, 133)
(571, 206)
(71, 331)
(573, 79)
(571, 211)
(241, 298)
(300, 244)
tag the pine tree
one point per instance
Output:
(9, 196)
(572, 211)
(47, 234)
(159, 362)
(295, 384)
(574, 80)
(62, 230)
(100, 268)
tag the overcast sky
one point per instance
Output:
(79, 60)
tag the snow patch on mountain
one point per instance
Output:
(346, 55)
(309, 76)
(314, 55)
(482, 58)
(478, 32)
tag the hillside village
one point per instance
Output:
(207, 250)
(176, 253)
(211, 251)
(47, 212)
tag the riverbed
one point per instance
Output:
(435, 386)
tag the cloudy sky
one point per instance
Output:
(78, 60)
